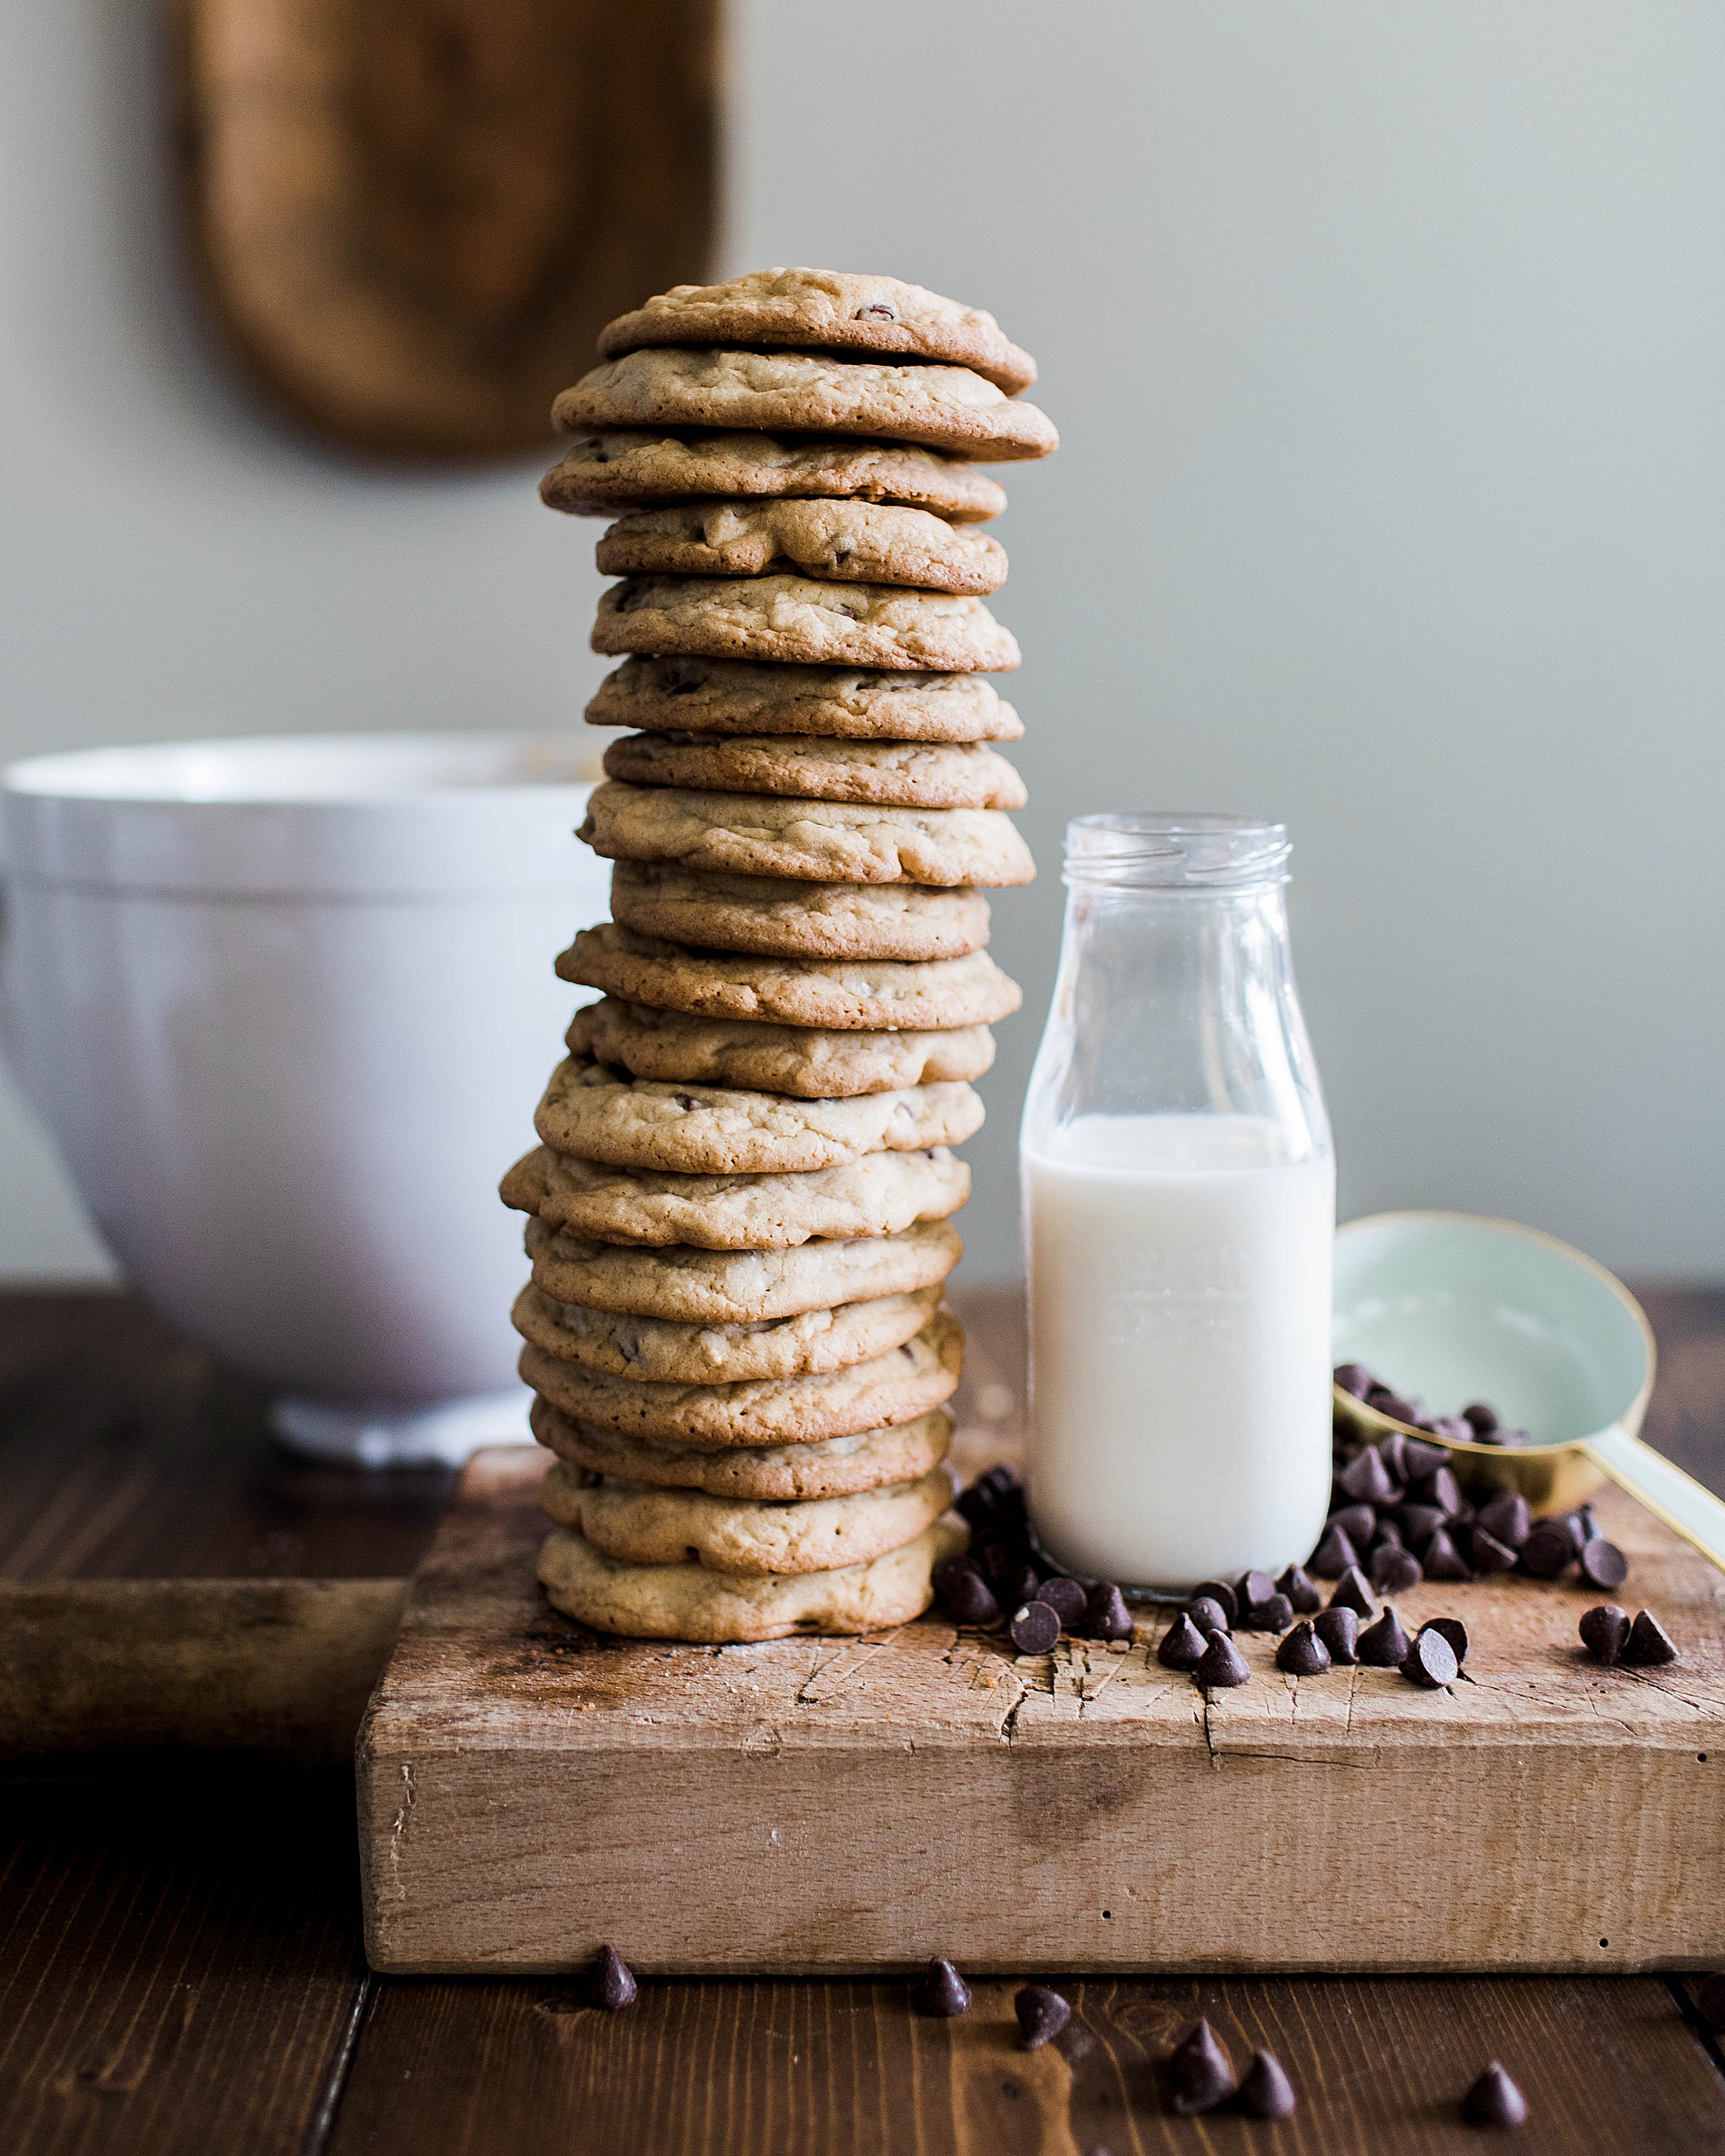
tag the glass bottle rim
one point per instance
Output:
(1176, 849)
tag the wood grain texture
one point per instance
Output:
(126, 1453)
(283, 1666)
(413, 217)
(847, 2069)
(179, 1965)
(521, 1781)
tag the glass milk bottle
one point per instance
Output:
(1179, 1198)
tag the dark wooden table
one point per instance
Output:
(182, 1967)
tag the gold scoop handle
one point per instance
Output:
(1678, 1499)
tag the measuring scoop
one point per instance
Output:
(1452, 1308)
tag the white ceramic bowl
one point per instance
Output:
(287, 1005)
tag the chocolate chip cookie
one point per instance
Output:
(762, 834)
(738, 696)
(804, 621)
(825, 311)
(811, 1063)
(893, 774)
(633, 467)
(950, 408)
(862, 542)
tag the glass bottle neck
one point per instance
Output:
(1177, 1000)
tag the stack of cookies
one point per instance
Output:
(740, 1206)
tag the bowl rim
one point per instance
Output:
(1629, 1420)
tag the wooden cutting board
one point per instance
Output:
(528, 1791)
(411, 217)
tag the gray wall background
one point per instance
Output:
(1386, 343)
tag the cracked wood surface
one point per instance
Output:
(792, 1796)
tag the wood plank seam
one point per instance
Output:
(329, 2101)
(1708, 2038)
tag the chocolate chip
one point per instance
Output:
(1302, 1654)
(950, 1570)
(1274, 1615)
(1105, 1615)
(1223, 1666)
(1181, 1646)
(1479, 1419)
(1358, 1522)
(1586, 1526)
(1067, 1598)
(1252, 1587)
(1418, 1524)
(1420, 1458)
(1353, 1591)
(1510, 1437)
(1441, 1559)
(1451, 1427)
(1392, 1404)
(611, 1985)
(877, 311)
(1395, 1571)
(1354, 1377)
(1006, 1505)
(1390, 1451)
(1489, 1555)
(1266, 2091)
(1334, 1555)
(1200, 2073)
(1367, 1479)
(1605, 1632)
(1429, 1660)
(942, 1992)
(1494, 2100)
(1383, 1646)
(1338, 1627)
(999, 1561)
(1454, 1631)
(1649, 1642)
(1548, 1551)
(976, 1504)
(1221, 1594)
(1438, 1488)
(1710, 2002)
(1303, 1597)
(1035, 1628)
(1570, 1524)
(1207, 1613)
(971, 1602)
(1041, 2013)
(1388, 1535)
(1507, 1518)
(1603, 1564)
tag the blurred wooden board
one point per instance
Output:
(528, 1791)
(282, 1667)
(413, 217)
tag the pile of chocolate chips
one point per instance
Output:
(1478, 1424)
(1399, 1513)
(1001, 1575)
(1199, 1640)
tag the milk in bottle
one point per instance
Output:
(1179, 1210)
